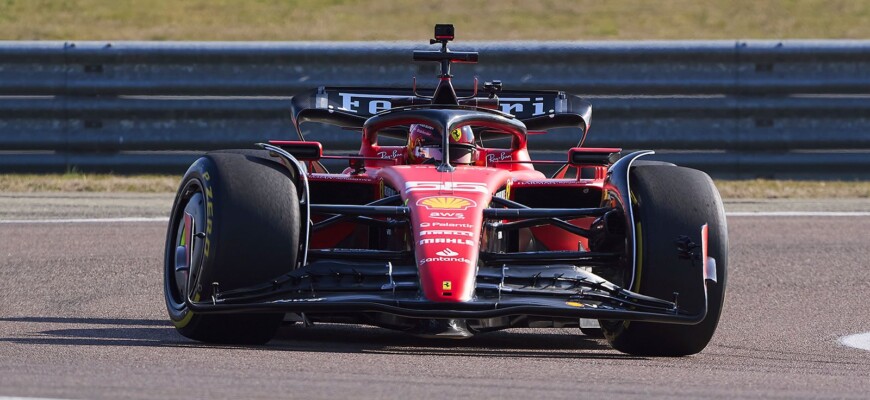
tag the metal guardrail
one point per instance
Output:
(735, 109)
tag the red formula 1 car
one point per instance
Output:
(450, 232)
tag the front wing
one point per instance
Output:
(547, 291)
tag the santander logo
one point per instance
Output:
(447, 253)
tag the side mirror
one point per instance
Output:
(304, 151)
(593, 155)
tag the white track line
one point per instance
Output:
(26, 398)
(82, 220)
(859, 341)
(798, 214)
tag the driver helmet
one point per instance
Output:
(424, 144)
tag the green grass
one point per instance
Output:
(91, 183)
(785, 189)
(413, 20)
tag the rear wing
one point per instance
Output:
(350, 107)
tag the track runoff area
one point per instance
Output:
(858, 341)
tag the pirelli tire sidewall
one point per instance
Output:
(251, 236)
(199, 178)
(206, 172)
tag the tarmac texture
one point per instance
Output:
(82, 316)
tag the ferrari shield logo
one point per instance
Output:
(446, 285)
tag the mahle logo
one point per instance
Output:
(446, 203)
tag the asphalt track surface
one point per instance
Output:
(82, 316)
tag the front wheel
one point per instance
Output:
(670, 202)
(234, 223)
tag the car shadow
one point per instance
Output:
(327, 338)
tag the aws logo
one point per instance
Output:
(446, 215)
(446, 203)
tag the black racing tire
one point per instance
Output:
(642, 163)
(247, 207)
(671, 201)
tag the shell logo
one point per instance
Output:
(446, 203)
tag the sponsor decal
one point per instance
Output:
(466, 242)
(431, 186)
(516, 105)
(446, 285)
(331, 177)
(447, 215)
(445, 225)
(389, 156)
(446, 203)
(444, 259)
(209, 213)
(303, 300)
(574, 304)
(373, 103)
(447, 252)
(548, 182)
(456, 135)
(446, 233)
(491, 158)
(520, 107)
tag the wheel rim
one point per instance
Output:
(184, 251)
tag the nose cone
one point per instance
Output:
(447, 241)
(446, 218)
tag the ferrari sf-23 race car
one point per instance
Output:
(450, 231)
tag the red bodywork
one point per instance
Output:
(446, 219)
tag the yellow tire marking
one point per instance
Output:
(186, 320)
(639, 251)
